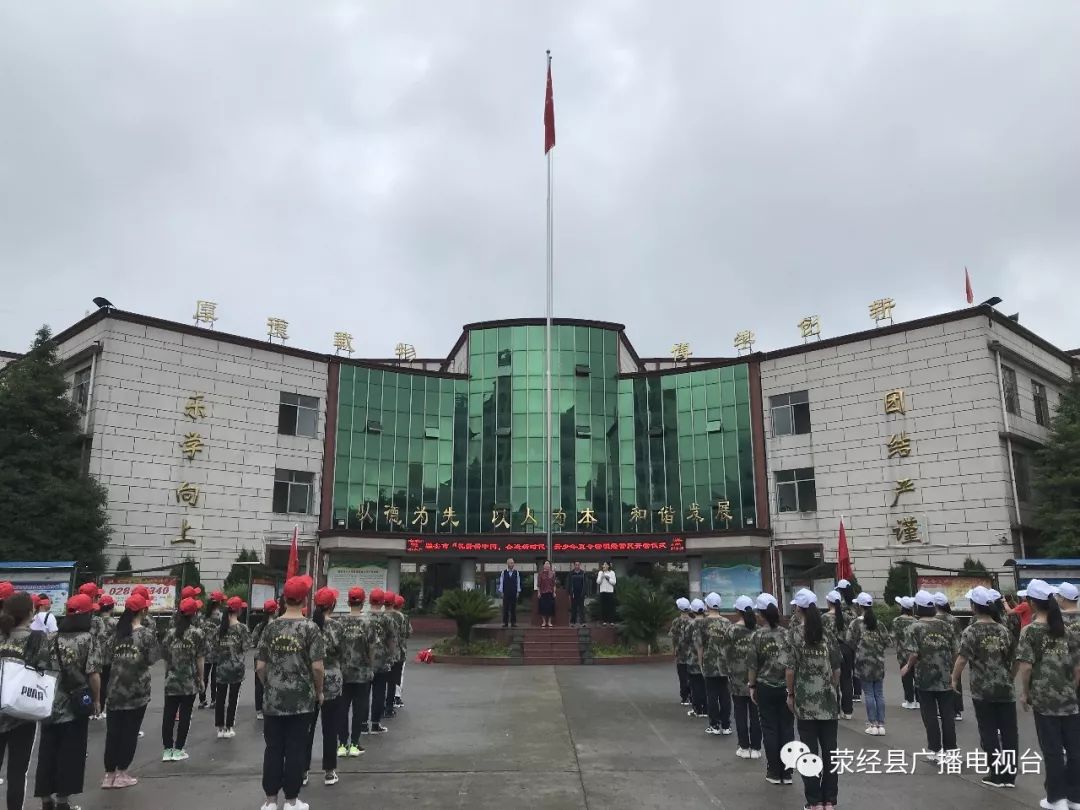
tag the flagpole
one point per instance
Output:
(547, 350)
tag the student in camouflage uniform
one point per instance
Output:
(61, 766)
(678, 626)
(212, 621)
(269, 611)
(333, 703)
(736, 653)
(900, 626)
(357, 640)
(383, 653)
(931, 648)
(944, 612)
(869, 639)
(108, 625)
(693, 647)
(1049, 669)
(182, 648)
(231, 641)
(851, 613)
(812, 675)
(132, 650)
(715, 632)
(766, 664)
(290, 662)
(404, 630)
(988, 648)
(390, 616)
(836, 622)
(406, 634)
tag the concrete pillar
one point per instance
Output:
(468, 574)
(693, 565)
(393, 574)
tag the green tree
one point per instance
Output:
(186, 572)
(236, 583)
(49, 508)
(901, 582)
(124, 566)
(973, 567)
(1057, 479)
(645, 611)
(467, 609)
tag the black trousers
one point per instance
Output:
(122, 737)
(684, 682)
(393, 679)
(932, 704)
(176, 714)
(607, 607)
(209, 678)
(18, 743)
(777, 727)
(958, 698)
(997, 732)
(330, 715)
(225, 717)
(62, 758)
(258, 692)
(908, 682)
(285, 736)
(718, 701)
(105, 673)
(820, 736)
(577, 607)
(698, 698)
(747, 726)
(378, 696)
(847, 685)
(356, 696)
(1059, 738)
(509, 609)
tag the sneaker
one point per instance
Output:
(230, 733)
(269, 806)
(297, 804)
(930, 756)
(830, 806)
(364, 728)
(355, 750)
(857, 699)
(109, 781)
(773, 780)
(1007, 785)
(378, 728)
(179, 755)
(343, 750)
(684, 702)
(142, 734)
(989, 781)
(221, 734)
(906, 705)
(399, 703)
(124, 780)
(916, 705)
(755, 753)
(167, 756)
(712, 730)
(331, 778)
(304, 783)
(691, 713)
(844, 716)
(702, 714)
(786, 780)
(725, 732)
(742, 753)
(258, 715)
(881, 731)
(1060, 804)
(959, 716)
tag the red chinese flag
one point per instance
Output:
(843, 560)
(294, 556)
(967, 287)
(549, 113)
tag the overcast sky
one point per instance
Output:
(379, 168)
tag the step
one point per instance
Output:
(552, 660)
(562, 646)
(534, 634)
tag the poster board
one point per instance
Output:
(731, 577)
(955, 588)
(55, 584)
(344, 575)
(262, 590)
(162, 591)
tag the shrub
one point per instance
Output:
(410, 590)
(973, 566)
(124, 566)
(467, 609)
(645, 612)
(901, 582)
(186, 572)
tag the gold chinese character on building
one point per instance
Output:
(899, 445)
(881, 309)
(405, 351)
(277, 328)
(205, 312)
(810, 326)
(904, 485)
(558, 517)
(498, 519)
(191, 445)
(744, 340)
(364, 516)
(894, 401)
(588, 518)
(185, 536)
(450, 518)
(723, 509)
(195, 408)
(342, 342)
(187, 494)
(529, 519)
(420, 517)
(907, 530)
(666, 515)
(695, 514)
(638, 514)
(680, 352)
(392, 515)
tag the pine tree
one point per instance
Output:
(1057, 480)
(49, 508)
(124, 566)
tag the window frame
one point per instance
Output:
(287, 486)
(796, 485)
(80, 389)
(1042, 403)
(299, 403)
(1021, 464)
(795, 407)
(1011, 390)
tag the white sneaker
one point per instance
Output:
(179, 755)
(871, 730)
(269, 806)
(711, 730)
(331, 778)
(258, 715)
(1073, 805)
(846, 716)
(167, 756)
(221, 734)
(726, 732)
(905, 705)
(916, 705)
(881, 731)
(1060, 804)
(230, 733)
(742, 753)
(755, 753)
(297, 805)
(304, 783)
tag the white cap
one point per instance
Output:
(1066, 590)
(940, 599)
(924, 599)
(682, 603)
(1037, 589)
(743, 602)
(906, 602)
(713, 601)
(843, 584)
(833, 597)
(995, 596)
(697, 606)
(980, 595)
(804, 598)
(864, 599)
(1022, 594)
(764, 600)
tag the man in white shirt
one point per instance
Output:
(43, 619)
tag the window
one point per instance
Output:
(80, 389)
(1012, 396)
(298, 415)
(796, 491)
(1042, 404)
(1022, 471)
(292, 491)
(790, 413)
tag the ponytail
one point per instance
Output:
(772, 616)
(813, 632)
(870, 618)
(181, 623)
(838, 616)
(749, 619)
(223, 629)
(123, 625)
(319, 616)
(1054, 621)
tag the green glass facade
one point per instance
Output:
(632, 448)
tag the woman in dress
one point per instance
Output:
(183, 649)
(545, 587)
(230, 643)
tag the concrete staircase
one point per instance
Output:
(552, 646)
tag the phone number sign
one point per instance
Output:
(419, 545)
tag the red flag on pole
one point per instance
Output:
(549, 112)
(967, 287)
(843, 560)
(294, 556)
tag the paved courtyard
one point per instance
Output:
(539, 737)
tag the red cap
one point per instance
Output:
(235, 604)
(106, 601)
(136, 603)
(6, 590)
(80, 603)
(142, 591)
(326, 598)
(356, 596)
(89, 589)
(270, 606)
(399, 601)
(188, 606)
(44, 601)
(199, 604)
(377, 596)
(33, 600)
(297, 588)
(217, 596)
(188, 592)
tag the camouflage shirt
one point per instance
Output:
(392, 630)
(869, 647)
(404, 628)
(989, 650)
(695, 637)
(132, 657)
(767, 656)
(77, 656)
(331, 633)
(715, 635)
(736, 654)
(210, 625)
(380, 634)
(97, 626)
(182, 660)
(900, 625)
(288, 648)
(1053, 660)
(813, 665)
(852, 613)
(355, 642)
(18, 645)
(932, 640)
(229, 653)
